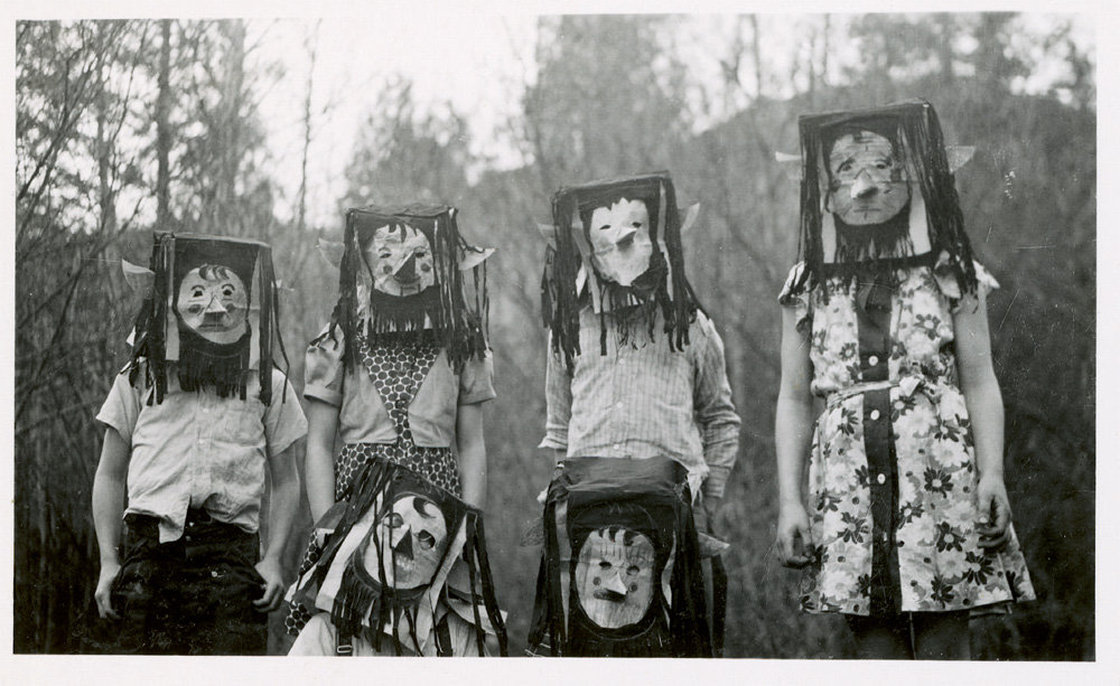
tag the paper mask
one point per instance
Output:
(211, 311)
(400, 259)
(615, 576)
(868, 183)
(877, 190)
(617, 247)
(412, 539)
(385, 569)
(620, 242)
(620, 575)
(213, 302)
(407, 270)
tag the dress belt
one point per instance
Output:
(908, 384)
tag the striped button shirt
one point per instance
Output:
(641, 400)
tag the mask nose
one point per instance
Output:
(403, 548)
(407, 271)
(625, 236)
(215, 308)
(614, 584)
(863, 187)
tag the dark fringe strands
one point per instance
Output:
(203, 363)
(366, 593)
(560, 303)
(914, 128)
(458, 328)
(148, 358)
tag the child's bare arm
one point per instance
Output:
(282, 505)
(109, 484)
(322, 424)
(793, 425)
(985, 408)
(471, 445)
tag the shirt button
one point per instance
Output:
(873, 360)
(618, 405)
(874, 415)
(882, 478)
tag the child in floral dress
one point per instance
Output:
(908, 526)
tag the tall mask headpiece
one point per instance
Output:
(402, 270)
(617, 243)
(877, 190)
(212, 311)
(621, 574)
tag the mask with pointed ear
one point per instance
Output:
(471, 258)
(959, 156)
(139, 279)
(330, 251)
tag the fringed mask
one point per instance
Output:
(391, 557)
(616, 245)
(877, 192)
(211, 311)
(621, 569)
(402, 272)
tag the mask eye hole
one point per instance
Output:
(426, 540)
(605, 227)
(393, 520)
(633, 570)
(604, 565)
(227, 291)
(198, 292)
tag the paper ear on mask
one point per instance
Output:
(919, 228)
(959, 155)
(790, 165)
(331, 251)
(548, 232)
(140, 279)
(688, 217)
(471, 258)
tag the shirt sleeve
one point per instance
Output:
(323, 370)
(121, 408)
(476, 383)
(284, 422)
(715, 413)
(558, 400)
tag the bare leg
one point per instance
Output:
(941, 636)
(881, 638)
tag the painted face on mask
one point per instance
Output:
(614, 576)
(869, 184)
(400, 258)
(213, 303)
(412, 537)
(620, 240)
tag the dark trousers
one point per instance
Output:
(192, 596)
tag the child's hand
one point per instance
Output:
(794, 537)
(273, 586)
(109, 572)
(994, 526)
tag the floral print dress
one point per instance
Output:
(892, 473)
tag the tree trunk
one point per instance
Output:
(163, 129)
